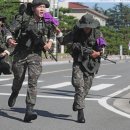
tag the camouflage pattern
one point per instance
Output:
(2, 39)
(85, 67)
(22, 61)
(87, 20)
(82, 82)
(27, 54)
(5, 67)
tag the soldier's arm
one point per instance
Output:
(9, 39)
(51, 38)
(15, 25)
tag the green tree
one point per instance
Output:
(66, 22)
(117, 32)
(8, 8)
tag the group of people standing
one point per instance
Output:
(30, 34)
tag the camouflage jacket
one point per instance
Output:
(2, 39)
(29, 33)
(81, 46)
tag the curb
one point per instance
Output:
(56, 63)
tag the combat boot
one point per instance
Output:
(12, 99)
(81, 118)
(30, 114)
(73, 107)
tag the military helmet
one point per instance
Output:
(39, 2)
(87, 20)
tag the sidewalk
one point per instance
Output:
(62, 59)
(66, 58)
(123, 103)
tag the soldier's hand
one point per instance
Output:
(47, 46)
(12, 42)
(95, 54)
(3, 54)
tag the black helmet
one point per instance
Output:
(39, 2)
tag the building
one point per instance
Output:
(78, 10)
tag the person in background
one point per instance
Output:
(4, 66)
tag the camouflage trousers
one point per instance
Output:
(31, 62)
(82, 83)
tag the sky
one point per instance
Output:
(104, 5)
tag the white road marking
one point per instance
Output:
(49, 72)
(108, 76)
(99, 76)
(24, 83)
(102, 76)
(67, 76)
(56, 71)
(5, 79)
(51, 97)
(100, 87)
(103, 102)
(59, 85)
(64, 84)
(118, 76)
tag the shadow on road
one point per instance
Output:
(5, 113)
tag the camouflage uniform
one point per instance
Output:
(30, 36)
(82, 82)
(4, 61)
(2, 35)
(2, 48)
(84, 66)
(27, 54)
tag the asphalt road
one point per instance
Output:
(107, 105)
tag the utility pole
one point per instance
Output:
(56, 15)
(55, 7)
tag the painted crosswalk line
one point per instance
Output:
(51, 97)
(65, 84)
(24, 83)
(59, 85)
(5, 79)
(108, 76)
(99, 76)
(100, 87)
(102, 76)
